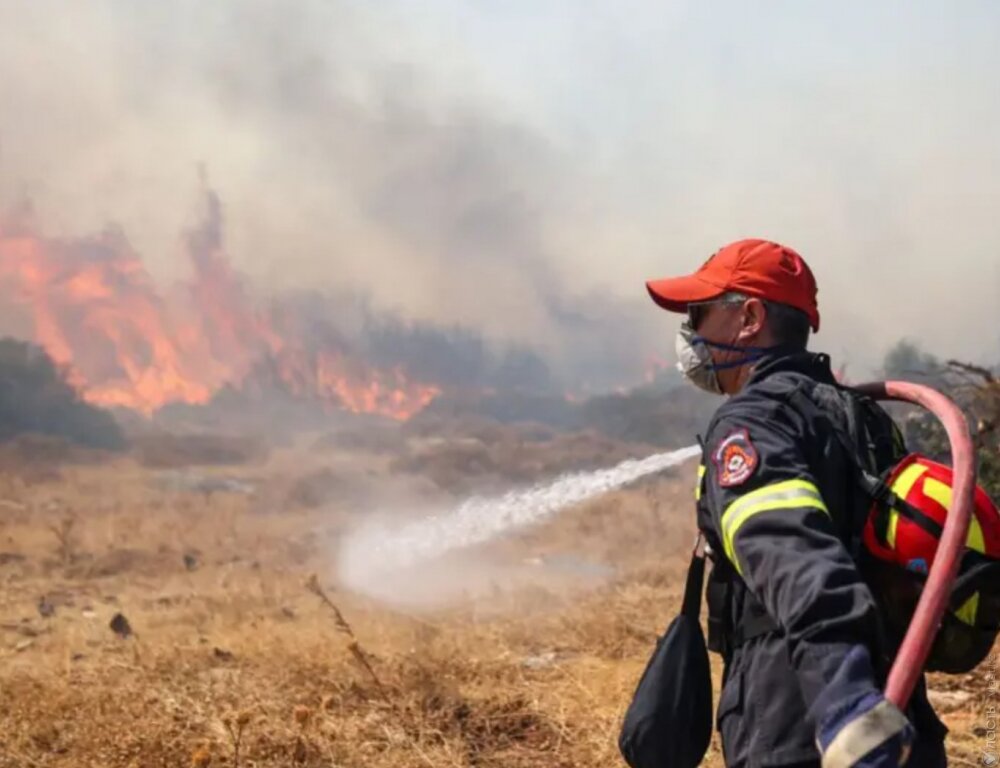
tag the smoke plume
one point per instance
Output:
(504, 179)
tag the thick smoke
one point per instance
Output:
(338, 166)
(518, 174)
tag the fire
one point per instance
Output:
(93, 306)
(328, 378)
(654, 366)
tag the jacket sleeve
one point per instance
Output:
(776, 530)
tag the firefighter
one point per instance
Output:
(805, 653)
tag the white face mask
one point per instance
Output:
(695, 361)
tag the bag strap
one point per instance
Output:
(695, 581)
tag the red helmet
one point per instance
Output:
(907, 535)
(911, 540)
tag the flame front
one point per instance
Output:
(95, 309)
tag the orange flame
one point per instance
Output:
(94, 308)
(654, 366)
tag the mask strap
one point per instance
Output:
(754, 353)
(736, 363)
(729, 347)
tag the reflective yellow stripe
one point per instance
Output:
(701, 477)
(969, 609)
(976, 540)
(938, 491)
(941, 493)
(902, 487)
(905, 482)
(788, 494)
(890, 535)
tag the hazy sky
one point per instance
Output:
(521, 167)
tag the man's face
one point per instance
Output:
(732, 323)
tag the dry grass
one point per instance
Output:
(165, 450)
(238, 658)
(495, 456)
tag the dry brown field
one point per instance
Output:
(243, 648)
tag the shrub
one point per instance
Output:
(36, 398)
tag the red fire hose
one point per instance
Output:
(933, 602)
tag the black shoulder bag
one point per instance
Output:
(669, 722)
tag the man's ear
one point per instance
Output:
(753, 316)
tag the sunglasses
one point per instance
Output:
(697, 310)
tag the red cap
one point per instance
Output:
(754, 267)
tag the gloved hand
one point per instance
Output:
(857, 726)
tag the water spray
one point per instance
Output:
(382, 548)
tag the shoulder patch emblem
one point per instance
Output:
(735, 459)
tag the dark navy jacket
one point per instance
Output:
(777, 503)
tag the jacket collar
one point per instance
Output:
(815, 365)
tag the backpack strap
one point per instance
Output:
(725, 631)
(907, 510)
(753, 626)
(871, 484)
(755, 621)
